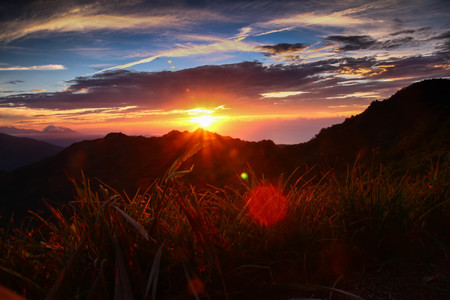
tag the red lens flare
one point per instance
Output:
(267, 204)
(196, 286)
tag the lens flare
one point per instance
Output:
(244, 176)
(267, 205)
(196, 286)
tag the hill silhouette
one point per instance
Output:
(128, 162)
(404, 131)
(16, 152)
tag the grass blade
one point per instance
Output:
(122, 287)
(154, 273)
(135, 224)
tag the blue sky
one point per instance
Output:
(276, 70)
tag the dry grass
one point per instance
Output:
(172, 240)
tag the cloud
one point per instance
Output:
(281, 94)
(406, 31)
(395, 43)
(352, 42)
(223, 45)
(346, 18)
(14, 81)
(84, 23)
(338, 19)
(249, 90)
(282, 48)
(366, 42)
(275, 31)
(41, 19)
(34, 68)
(57, 129)
(169, 90)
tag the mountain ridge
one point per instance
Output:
(411, 123)
(17, 152)
(403, 131)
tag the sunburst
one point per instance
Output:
(204, 121)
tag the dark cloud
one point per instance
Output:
(403, 32)
(10, 92)
(419, 67)
(442, 36)
(424, 29)
(443, 48)
(14, 81)
(395, 43)
(398, 23)
(352, 42)
(233, 85)
(360, 42)
(282, 48)
(170, 89)
(12, 9)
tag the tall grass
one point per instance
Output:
(173, 239)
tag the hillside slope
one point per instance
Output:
(16, 152)
(407, 131)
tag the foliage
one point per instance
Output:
(173, 239)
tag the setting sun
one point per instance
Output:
(203, 121)
(203, 117)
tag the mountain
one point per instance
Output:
(404, 132)
(16, 152)
(127, 162)
(57, 135)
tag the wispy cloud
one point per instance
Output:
(221, 46)
(131, 16)
(281, 94)
(34, 68)
(14, 81)
(340, 19)
(83, 23)
(354, 95)
(275, 31)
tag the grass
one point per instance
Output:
(173, 240)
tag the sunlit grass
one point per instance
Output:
(173, 239)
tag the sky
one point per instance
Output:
(254, 70)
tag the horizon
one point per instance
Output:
(248, 69)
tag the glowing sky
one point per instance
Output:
(276, 70)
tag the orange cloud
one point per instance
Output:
(362, 71)
(338, 19)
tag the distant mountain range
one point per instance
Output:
(406, 131)
(57, 135)
(16, 152)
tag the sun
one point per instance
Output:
(203, 121)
